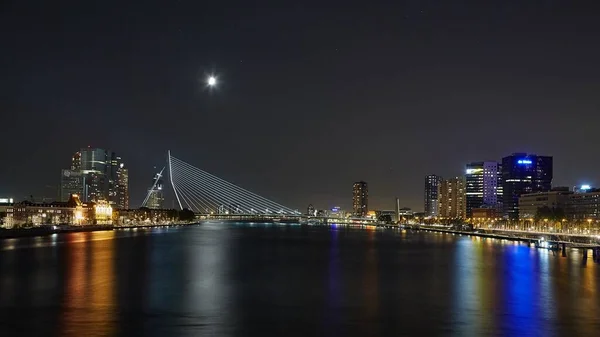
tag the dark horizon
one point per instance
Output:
(310, 98)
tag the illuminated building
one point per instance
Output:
(95, 164)
(583, 206)
(523, 173)
(432, 183)
(337, 212)
(360, 198)
(96, 174)
(76, 161)
(28, 213)
(451, 198)
(71, 182)
(118, 184)
(484, 213)
(6, 207)
(584, 189)
(123, 187)
(310, 210)
(531, 202)
(387, 216)
(405, 212)
(483, 186)
(155, 198)
(103, 213)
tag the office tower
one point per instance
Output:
(122, 187)
(432, 183)
(483, 186)
(95, 167)
(97, 174)
(524, 173)
(118, 182)
(360, 198)
(71, 182)
(451, 198)
(156, 197)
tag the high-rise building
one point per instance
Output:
(118, 183)
(76, 162)
(95, 166)
(451, 198)
(97, 175)
(71, 182)
(360, 198)
(483, 186)
(432, 183)
(524, 173)
(122, 188)
(155, 194)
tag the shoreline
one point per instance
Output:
(46, 231)
(536, 241)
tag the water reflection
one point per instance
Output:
(371, 286)
(275, 280)
(89, 292)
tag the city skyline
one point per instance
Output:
(294, 84)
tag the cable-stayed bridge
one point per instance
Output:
(205, 193)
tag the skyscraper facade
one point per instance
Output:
(98, 175)
(483, 186)
(524, 173)
(71, 182)
(155, 193)
(360, 198)
(432, 183)
(122, 187)
(451, 198)
(95, 166)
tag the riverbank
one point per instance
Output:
(49, 230)
(552, 240)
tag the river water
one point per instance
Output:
(265, 280)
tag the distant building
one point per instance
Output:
(523, 173)
(71, 182)
(310, 210)
(96, 174)
(483, 186)
(155, 193)
(405, 212)
(484, 213)
(531, 202)
(432, 183)
(387, 216)
(72, 212)
(6, 206)
(360, 198)
(122, 189)
(583, 206)
(95, 166)
(451, 198)
(584, 189)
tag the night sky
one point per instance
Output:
(311, 97)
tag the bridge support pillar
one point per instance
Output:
(595, 254)
(564, 249)
(585, 255)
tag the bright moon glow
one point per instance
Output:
(212, 81)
